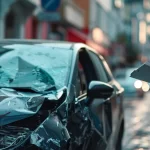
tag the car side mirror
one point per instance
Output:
(99, 89)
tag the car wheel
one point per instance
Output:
(120, 137)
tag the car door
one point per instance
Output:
(119, 90)
(114, 106)
(86, 127)
(117, 103)
(107, 108)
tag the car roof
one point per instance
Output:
(37, 41)
(75, 46)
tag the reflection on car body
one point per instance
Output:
(59, 96)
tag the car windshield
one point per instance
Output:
(37, 67)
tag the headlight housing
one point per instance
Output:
(141, 84)
(138, 84)
(145, 87)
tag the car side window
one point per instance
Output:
(86, 72)
(107, 69)
(83, 79)
(99, 67)
(82, 83)
(107, 74)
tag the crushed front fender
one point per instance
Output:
(51, 134)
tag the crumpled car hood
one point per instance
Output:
(25, 82)
(142, 73)
(15, 105)
(16, 72)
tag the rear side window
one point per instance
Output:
(107, 70)
(81, 80)
(86, 72)
(99, 67)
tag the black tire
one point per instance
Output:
(120, 137)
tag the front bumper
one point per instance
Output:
(51, 134)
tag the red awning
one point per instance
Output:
(74, 35)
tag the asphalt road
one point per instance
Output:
(137, 123)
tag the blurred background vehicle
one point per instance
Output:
(132, 87)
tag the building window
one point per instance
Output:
(146, 4)
(118, 3)
(148, 17)
(106, 4)
(56, 32)
(148, 29)
(142, 32)
(9, 25)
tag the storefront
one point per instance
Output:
(74, 35)
(45, 25)
(65, 24)
(77, 32)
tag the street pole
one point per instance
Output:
(2, 27)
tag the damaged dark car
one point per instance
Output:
(57, 96)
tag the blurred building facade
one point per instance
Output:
(106, 22)
(35, 19)
(108, 17)
(13, 15)
(94, 22)
(138, 24)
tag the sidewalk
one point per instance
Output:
(137, 124)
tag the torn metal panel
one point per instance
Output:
(83, 132)
(142, 73)
(16, 105)
(51, 134)
(31, 92)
